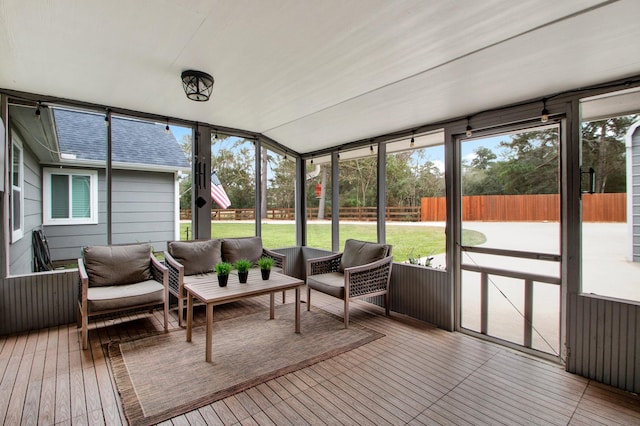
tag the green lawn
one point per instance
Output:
(407, 240)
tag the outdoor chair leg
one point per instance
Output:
(308, 298)
(386, 304)
(180, 312)
(346, 313)
(85, 332)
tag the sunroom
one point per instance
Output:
(506, 133)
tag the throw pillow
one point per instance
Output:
(197, 256)
(234, 249)
(358, 253)
(118, 264)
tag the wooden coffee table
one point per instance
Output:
(211, 294)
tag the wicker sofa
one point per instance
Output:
(362, 270)
(119, 278)
(186, 259)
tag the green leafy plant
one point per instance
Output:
(243, 265)
(420, 261)
(265, 263)
(223, 268)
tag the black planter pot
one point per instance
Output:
(265, 273)
(222, 280)
(242, 276)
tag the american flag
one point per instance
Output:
(217, 192)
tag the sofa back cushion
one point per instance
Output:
(198, 256)
(234, 249)
(358, 253)
(117, 265)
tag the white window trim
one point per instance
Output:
(17, 234)
(46, 197)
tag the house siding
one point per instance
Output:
(633, 194)
(20, 252)
(143, 210)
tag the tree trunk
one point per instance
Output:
(601, 176)
(263, 183)
(323, 193)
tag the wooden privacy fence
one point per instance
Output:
(490, 208)
(527, 208)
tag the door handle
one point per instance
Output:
(592, 180)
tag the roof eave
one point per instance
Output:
(96, 164)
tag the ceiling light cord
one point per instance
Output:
(469, 130)
(37, 113)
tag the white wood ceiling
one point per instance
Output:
(316, 74)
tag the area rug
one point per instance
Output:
(163, 376)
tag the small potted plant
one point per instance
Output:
(265, 264)
(243, 266)
(223, 269)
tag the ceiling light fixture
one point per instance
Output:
(37, 114)
(371, 148)
(197, 85)
(413, 140)
(215, 135)
(311, 160)
(167, 130)
(544, 115)
(469, 130)
(106, 119)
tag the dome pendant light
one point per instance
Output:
(197, 85)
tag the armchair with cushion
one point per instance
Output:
(362, 270)
(188, 260)
(119, 278)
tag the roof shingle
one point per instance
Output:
(133, 141)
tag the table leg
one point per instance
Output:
(189, 316)
(209, 340)
(297, 309)
(272, 306)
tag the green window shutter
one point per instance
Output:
(81, 196)
(59, 196)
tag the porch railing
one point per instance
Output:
(409, 213)
(528, 278)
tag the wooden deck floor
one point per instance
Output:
(416, 374)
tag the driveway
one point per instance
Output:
(606, 272)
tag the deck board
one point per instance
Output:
(416, 374)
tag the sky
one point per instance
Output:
(435, 154)
(178, 132)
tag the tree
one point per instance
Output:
(603, 148)
(358, 182)
(484, 158)
(282, 184)
(186, 182)
(532, 165)
(234, 161)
